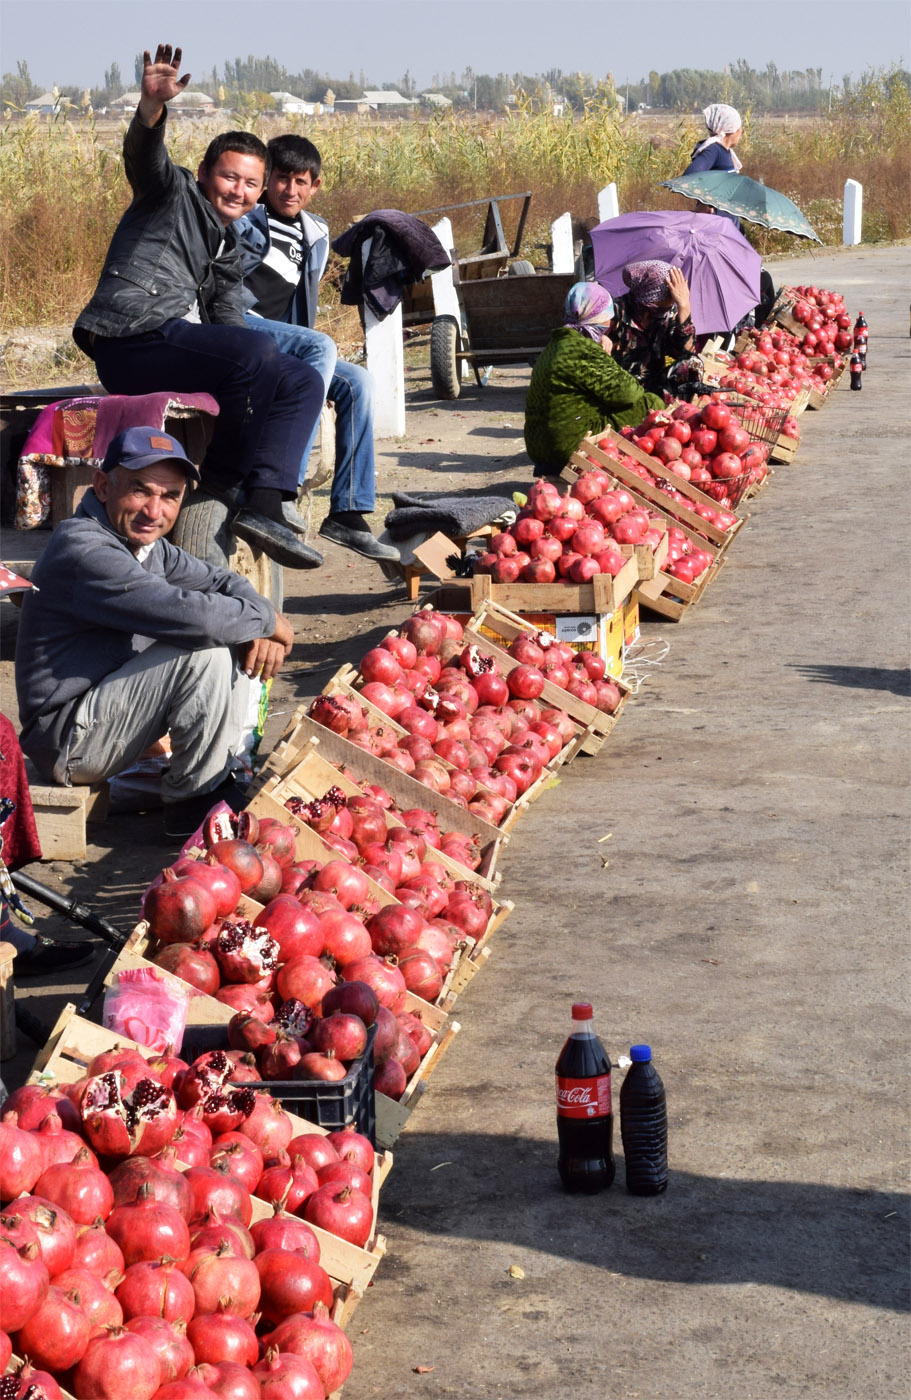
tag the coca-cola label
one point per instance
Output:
(584, 1098)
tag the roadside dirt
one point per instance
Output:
(750, 923)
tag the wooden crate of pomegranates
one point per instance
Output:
(311, 778)
(509, 637)
(468, 839)
(600, 593)
(430, 655)
(669, 501)
(482, 676)
(73, 1046)
(821, 395)
(459, 899)
(677, 585)
(688, 504)
(367, 768)
(437, 982)
(500, 804)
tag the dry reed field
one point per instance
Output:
(62, 187)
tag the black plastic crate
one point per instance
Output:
(348, 1103)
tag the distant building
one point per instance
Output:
(388, 98)
(192, 103)
(435, 99)
(383, 101)
(47, 104)
(127, 102)
(289, 105)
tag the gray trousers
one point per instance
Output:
(192, 695)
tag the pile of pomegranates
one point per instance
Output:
(286, 974)
(828, 322)
(463, 727)
(569, 536)
(126, 1276)
(777, 364)
(707, 446)
(607, 500)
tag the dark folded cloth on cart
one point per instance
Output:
(454, 515)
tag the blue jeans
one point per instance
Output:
(269, 403)
(350, 388)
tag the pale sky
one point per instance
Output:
(74, 41)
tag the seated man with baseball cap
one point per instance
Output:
(125, 637)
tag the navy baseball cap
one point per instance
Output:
(142, 447)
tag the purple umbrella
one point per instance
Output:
(720, 267)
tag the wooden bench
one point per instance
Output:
(62, 813)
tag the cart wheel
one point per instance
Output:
(521, 268)
(445, 339)
(201, 529)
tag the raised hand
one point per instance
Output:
(676, 285)
(160, 81)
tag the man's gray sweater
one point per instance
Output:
(97, 605)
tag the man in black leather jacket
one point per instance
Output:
(168, 314)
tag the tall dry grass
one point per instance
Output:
(62, 186)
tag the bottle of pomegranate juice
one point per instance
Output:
(585, 1120)
(643, 1125)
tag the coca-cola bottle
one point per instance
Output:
(585, 1120)
(857, 370)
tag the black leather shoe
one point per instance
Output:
(47, 957)
(278, 541)
(293, 518)
(361, 541)
(182, 818)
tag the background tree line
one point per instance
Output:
(681, 90)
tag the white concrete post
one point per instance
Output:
(386, 362)
(853, 213)
(561, 237)
(608, 203)
(445, 296)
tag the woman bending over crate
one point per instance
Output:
(576, 386)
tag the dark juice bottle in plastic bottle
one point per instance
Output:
(643, 1125)
(585, 1120)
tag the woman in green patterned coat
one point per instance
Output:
(576, 387)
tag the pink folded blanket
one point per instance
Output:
(85, 427)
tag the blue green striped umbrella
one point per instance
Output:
(745, 198)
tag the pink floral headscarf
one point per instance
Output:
(647, 281)
(589, 309)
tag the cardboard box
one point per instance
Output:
(630, 623)
(598, 632)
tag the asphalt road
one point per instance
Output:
(751, 924)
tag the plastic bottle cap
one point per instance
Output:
(582, 1010)
(639, 1053)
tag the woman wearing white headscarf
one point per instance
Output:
(717, 152)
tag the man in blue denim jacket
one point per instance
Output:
(285, 248)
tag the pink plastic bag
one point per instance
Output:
(148, 1007)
